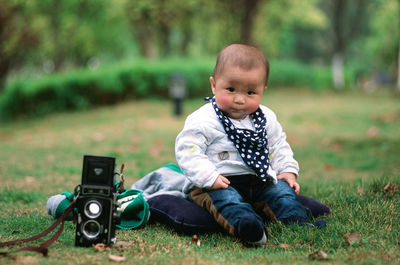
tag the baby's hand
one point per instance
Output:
(290, 178)
(220, 183)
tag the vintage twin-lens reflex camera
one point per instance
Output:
(97, 202)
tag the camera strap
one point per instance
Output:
(42, 248)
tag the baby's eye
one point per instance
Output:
(230, 89)
(251, 93)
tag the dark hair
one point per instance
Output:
(244, 56)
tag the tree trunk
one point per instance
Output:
(146, 42)
(164, 45)
(247, 21)
(339, 7)
(4, 68)
(58, 57)
(338, 70)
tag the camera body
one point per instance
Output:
(96, 204)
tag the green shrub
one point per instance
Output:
(295, 74)
(84, 88)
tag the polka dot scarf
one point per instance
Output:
(251, 145)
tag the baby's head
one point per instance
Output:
(239, 80)
(244, 56)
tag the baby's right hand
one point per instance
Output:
(220, 183)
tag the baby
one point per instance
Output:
(234, 154)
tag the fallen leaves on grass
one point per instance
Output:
(329, 167)
(391, 189)
(336, 147)
(30, 179)
(360, 190)
(285, 246)
(122, 244)
(318, 255)
(98, 137)
(100, 247)
(195, 240)
(353, 239)
(116, 258)
(51, 158)
(389, 117)
(372, 132)
(25, 260)
(155, 150)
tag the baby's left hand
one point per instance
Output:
(290, 178)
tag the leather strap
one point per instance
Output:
(42, 248)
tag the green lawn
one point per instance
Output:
(347, 144)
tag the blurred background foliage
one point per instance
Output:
(60, 54)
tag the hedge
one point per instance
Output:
(84, 88)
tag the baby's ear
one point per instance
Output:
(212, 83)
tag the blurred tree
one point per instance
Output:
(73, 31)
(347, 18)
(17, 37)
(292, 29)
(218, 23)
(142, 18)
(244, 14)
(153, 22)
(384, 40)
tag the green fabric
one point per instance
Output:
(136, 213)
(173, 167)
(63, 206)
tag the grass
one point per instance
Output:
(347, 144)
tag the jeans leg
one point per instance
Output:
(230, 211)
(283, 202)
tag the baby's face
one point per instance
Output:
(238, 92)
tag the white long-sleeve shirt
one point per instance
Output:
(203, 150)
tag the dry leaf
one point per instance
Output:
(24, 260)
(116, 258)
(285, 246)
(318, 255)
(195, 240)
(118, 150)
(98, 137)
(389, 117)
(336, 147)
(134, 148)
(329, 167)
(360, 190)
(293, 140)
(372, 132)
(50, 158)
(100, 247)
(155, 150)
(390, 188)
(123, 244)
(5, 136)
(352, 238)
(30, 179)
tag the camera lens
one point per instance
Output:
(91, 229)
(92, 209)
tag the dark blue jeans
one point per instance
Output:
(248, 197)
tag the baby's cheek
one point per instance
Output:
(223, 102)
(252, 106)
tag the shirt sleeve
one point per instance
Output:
(280, 152)
(190, 151)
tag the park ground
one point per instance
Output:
(347, 144)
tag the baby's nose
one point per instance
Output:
(239, 99)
